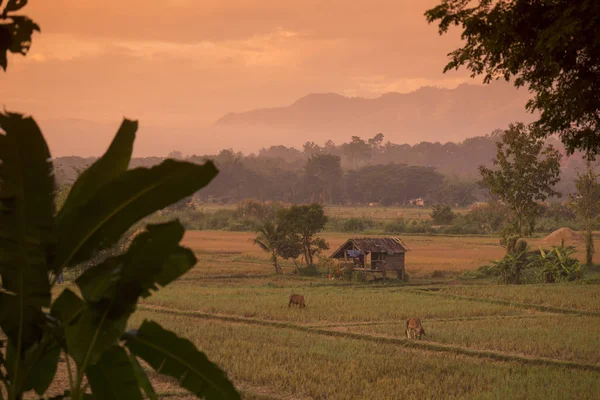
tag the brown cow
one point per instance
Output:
(414, 325)
(297, 299)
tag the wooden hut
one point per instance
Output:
(381, 255)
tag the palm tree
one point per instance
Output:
(268, 238)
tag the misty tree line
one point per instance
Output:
(357, 172)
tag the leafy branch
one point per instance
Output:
(15, 31)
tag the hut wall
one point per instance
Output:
(395, 261)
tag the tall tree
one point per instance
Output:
(551, 47)
(357, 151)
(586, 204)
(311, 149)
(304, 222)
(323, 173)
(526, 172)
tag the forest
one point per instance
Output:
(360, 171)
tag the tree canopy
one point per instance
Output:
(525, 173)
(552, 47)
(303, 222)
(15, 30)
(586, 204)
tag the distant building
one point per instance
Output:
(417, 202)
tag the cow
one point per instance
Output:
(414, 325)
(297, 299)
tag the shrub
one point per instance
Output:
(310, 270)
(254, 209)
(359, 276)
(357, 224)
(442, 214)
(558, 265)
(490, 217)
(522, 266)
(396, 226)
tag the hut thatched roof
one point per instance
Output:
(388, 245)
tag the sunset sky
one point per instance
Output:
(186, 61)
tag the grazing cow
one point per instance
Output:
(414, 325)
(297, 299)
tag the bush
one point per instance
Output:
(359, 276)
(257, 210)
(558, 265)
(415, 226)
(347, 272)
(310, 270)
(548, 225)
(557, 212)
(357, 224)
(461, 229)
(351, 224)
(396, 226)
(521, 266)
(490, 217)
(442, 214)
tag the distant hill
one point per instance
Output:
(427, 114)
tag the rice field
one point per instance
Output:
(427, 253)
(582, 297)
(483, 340)
(300, 365)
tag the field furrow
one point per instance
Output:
(397, 340)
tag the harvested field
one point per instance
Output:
(483, 341)
(319, 367)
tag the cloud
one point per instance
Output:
(172, 60)
(275, 49)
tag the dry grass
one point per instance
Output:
(324, 304)
(427, 253)
(288, 360)
(579, 297)
(335, 368)
(572, 338)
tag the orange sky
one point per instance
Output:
(189, 61)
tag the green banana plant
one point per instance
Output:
(559, 264)
(87, 324)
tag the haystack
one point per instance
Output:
(568, 235)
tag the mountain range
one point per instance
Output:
(427, 114)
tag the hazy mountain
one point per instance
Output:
(427, 114)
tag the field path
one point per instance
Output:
(396, 322)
